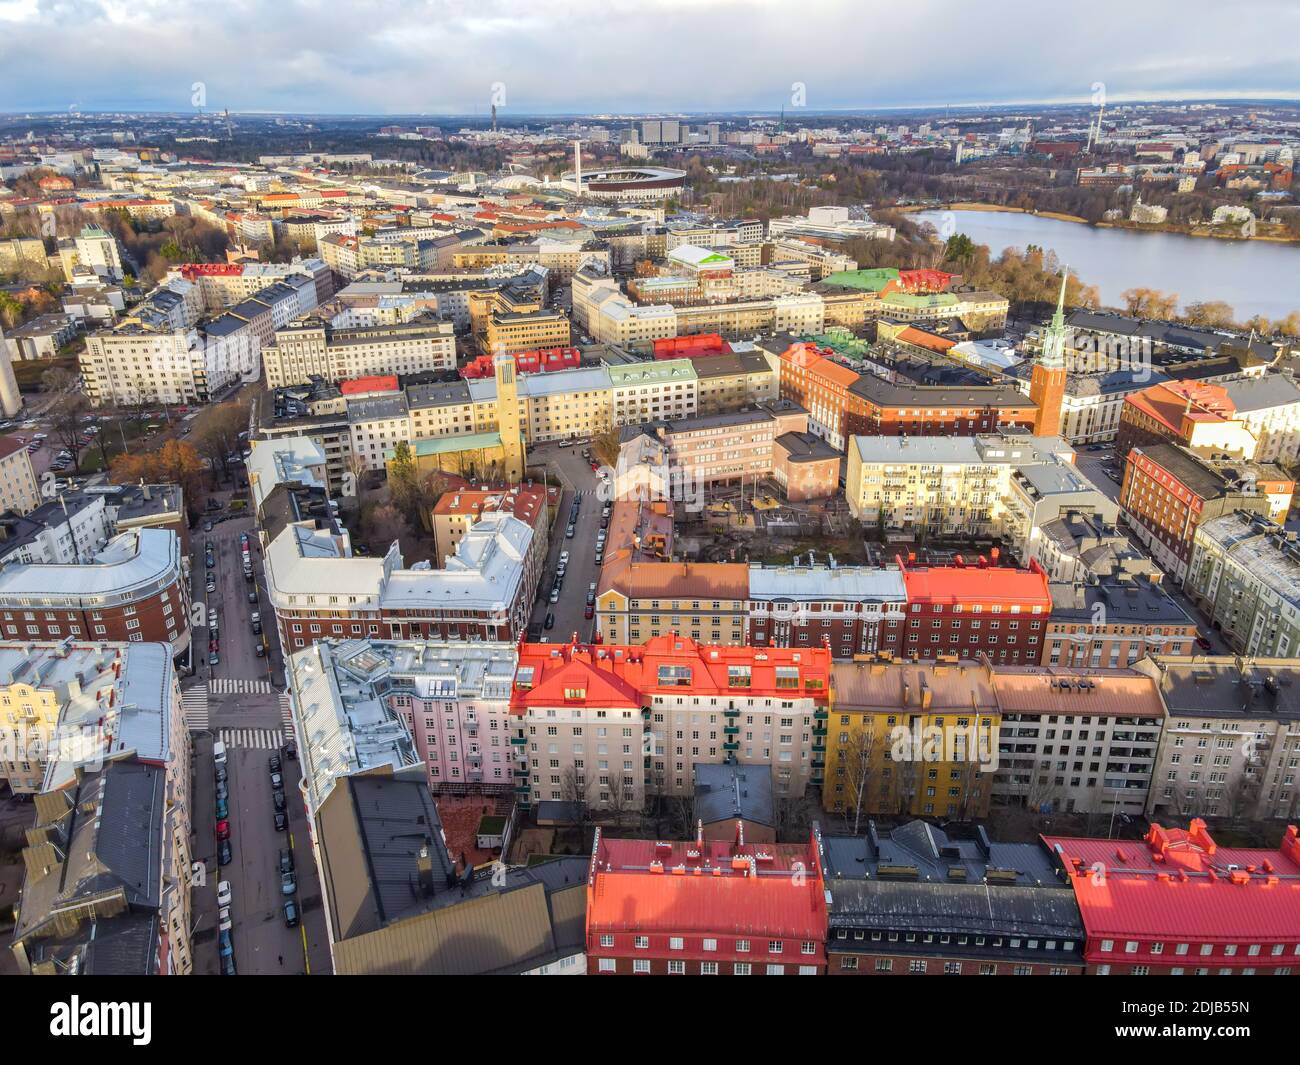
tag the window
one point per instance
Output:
(608, 965)
(606, 941)
(741, 968)
(775, 970)
(641, 942)
(775, 946)
(676, 968)
(675, 943)
(640, 965)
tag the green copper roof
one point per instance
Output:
(870, 280)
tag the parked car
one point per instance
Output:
(555, 595)
(281, 822)
(223, 791)
(1204, 644)
(288, 883)
(223, 893)
(290, 914)
(214, 659)
(568, 533)
(286, 861)
(274, 763)
(223, 919)
(223, 810)
(277, 797)
(549, 623)
(260, 650)
(224, 853)
(228, 965)
(277, 781)
(252, 596)
(588, 612)
(223, 830)
(222, 774)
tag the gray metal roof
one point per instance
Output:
(723, 792)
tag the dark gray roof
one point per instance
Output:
(804, 447)
(1136, 601)
(939, 909)
(922, 851)
(1227, 686)
(726, 791)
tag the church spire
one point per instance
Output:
(1054, 336)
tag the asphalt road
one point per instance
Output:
(239, 701)
(575, 474)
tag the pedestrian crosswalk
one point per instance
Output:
(286, 716)
(239, 686)
(266, 739)
(194, 702)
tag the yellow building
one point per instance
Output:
(917, 739)
(510, 331)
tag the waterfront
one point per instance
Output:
(1254, 277)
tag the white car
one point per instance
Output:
(223, 919)
(564, 557)
(224, 894)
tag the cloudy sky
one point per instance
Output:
(443, 56)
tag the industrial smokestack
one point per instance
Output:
(577, 167)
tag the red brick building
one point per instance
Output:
(705, 907)
(134, 590)
(1167, 492)
(972, 610)
(1176, 903)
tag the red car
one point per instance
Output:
(588, 612)
(223, 830)
(1204, 644)
(595, 466)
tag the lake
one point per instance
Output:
(1253, 276)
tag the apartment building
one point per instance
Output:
(845, 609)
(919, 900)
(730, 448)
(19, 492)
(459, 509)
(654, 710)
(138, 364)
(1231, 741)
(1249, 417)
(818, 384)
(1113, 621)
(319, 590)
(730, 381)
(134, 588)
(651, 391)
(452, 698)
(1244, 574)
(914, 739)
(315, 347)
(705, 908)
(507, 332)
(1078, 741)
(1177, 903)
(107, 887)
(638, 600)
(1167, 492)
(223, 285)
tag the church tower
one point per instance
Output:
(1047, 385)
(514, 459)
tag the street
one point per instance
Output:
(238, 702)
(575, 475)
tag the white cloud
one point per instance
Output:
(385, 56)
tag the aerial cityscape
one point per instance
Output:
(728, 520)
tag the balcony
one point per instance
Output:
(522, 773)
(821, 715)
(731, 745)
(819, 730)
(731, 730)
(519, 741)
(731, 712)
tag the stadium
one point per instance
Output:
(630, 182)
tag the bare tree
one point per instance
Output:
(65, 419)
(856, 770)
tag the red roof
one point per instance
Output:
(922, 339)
(978, 585)
(551, 674)
(382, 383)
(717, 887)
(1179, 886)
